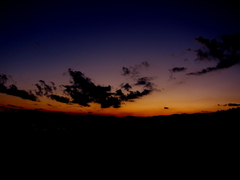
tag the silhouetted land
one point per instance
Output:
(26, 125)
(35, 136)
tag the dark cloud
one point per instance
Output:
(166, 107)
(47, 90)
(39, 90)
(125, 71)
(132, 95)
(203, 71)
(53, 85)
(3, 78)
(229, 104)
(233, 104)
(83, 91)
(226, 51)
(178, 69)
(110, 101)
(175, 70)
(143, 80)
(146, 81)
(126, 86)
(14, 91)
(44, 89)
(136, 94)
(134, 71)
(150, 85)
(59, 98)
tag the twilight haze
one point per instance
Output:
(139, 58)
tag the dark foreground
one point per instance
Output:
(32, 126)
(196, 143)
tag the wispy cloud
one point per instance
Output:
(134, 71)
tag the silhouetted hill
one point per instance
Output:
(29, 125)
(44, 137)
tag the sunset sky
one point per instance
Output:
(139, 58)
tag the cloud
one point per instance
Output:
(14, 91)
(83, 91)
(203, 71)
(39, 91)
(136, 94)
(226, 51)
(3, 78)
(175, 70)
(166, 107)
(126, 86)
(178, 69)
(229, 104)
(146, 82)
(143, 80)
(233, 104)
(125, 71)
(134, 71)
(47, 90)
(59, 98)
(132, 95)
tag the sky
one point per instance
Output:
(120, 58)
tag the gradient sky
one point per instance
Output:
(41, 40)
